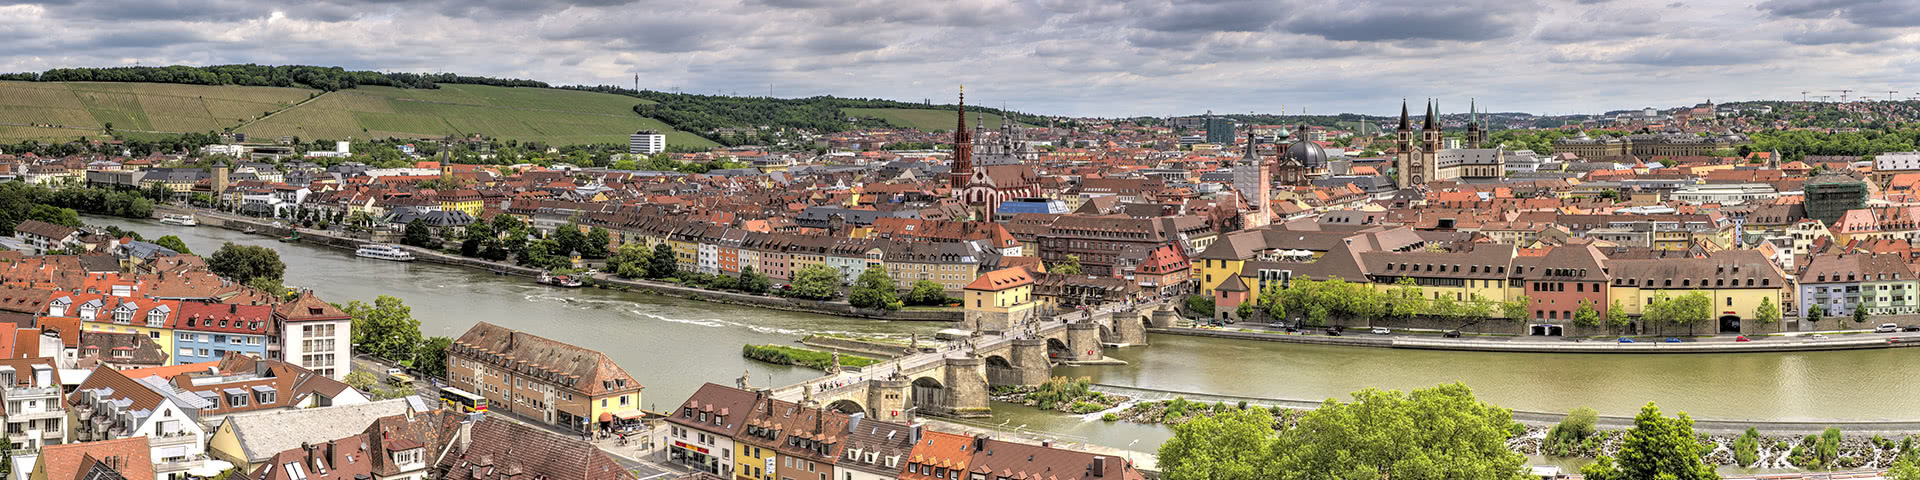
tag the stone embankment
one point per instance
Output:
(1360, 338)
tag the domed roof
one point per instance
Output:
(1307, 154)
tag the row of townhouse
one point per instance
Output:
(748, 435)
(144, 331)
(171, 410)
(720, 249)
(1555, 281)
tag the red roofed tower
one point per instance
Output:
(961, 171)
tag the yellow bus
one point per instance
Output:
(463, 400)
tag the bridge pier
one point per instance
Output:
(1164, 317)
(1083, 339)
(1030, 364)
(1130, 328)
(966, 388)
(887, 399)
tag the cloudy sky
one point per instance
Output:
(1077, 57)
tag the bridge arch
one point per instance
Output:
(1057, 350)
(1106, 334)
(929, 394)
(847, 406)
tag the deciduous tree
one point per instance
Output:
(1231, 445)
(1434, 433)
(1657, 447)
(816, 282)
(243, 263)
(386, 328)
(874, 289)
(173, 243)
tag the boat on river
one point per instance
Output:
(564, 281)
(384, 252)
(183, 220)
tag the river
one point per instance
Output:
(672, 346)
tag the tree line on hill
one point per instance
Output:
(322, 78)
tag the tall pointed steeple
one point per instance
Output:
(1473, 114)
(1404, 123)
(1429, 124)
(960, 170)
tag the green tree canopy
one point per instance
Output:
(430, 358)
(1231, 445)
(874, 289)
(244, 263)
(1767, 312)
(663, 263)
(1657, 447)
(927, 292)
(1586, 316)
(385, 329)
(1069, 267)
(173, 243)
(816, 282)
(418, 234)
(630, 261)
(1436, 433)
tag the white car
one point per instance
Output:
(1381, 331)
(1886, 328)
(395, 370)
(1817, 336)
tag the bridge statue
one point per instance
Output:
(741, 382)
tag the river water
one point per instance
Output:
(672, 346)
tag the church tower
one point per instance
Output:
(1253, 179)
(1473, 124)
(1430, 134)
(960, 171)
(1405, 157)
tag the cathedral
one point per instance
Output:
(985, 173)
(1253, 179)
(1429, 161)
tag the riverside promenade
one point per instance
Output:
(1796, 342)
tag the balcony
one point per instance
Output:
(27, 393)
(171, 439)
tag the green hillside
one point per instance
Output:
(922, 118)
(66, 110)
(526, 114)
(83, 108)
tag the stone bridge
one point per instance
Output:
(954, 381)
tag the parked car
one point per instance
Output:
(1626, 340)
(1910, 328)
(1742, 338)
(1673, 340)
(1333, 332)
(1381, 331)
(1817, 336)
(1451, 334)
(395, 370)
(1886, 328)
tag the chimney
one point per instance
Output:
(853, 422)
(1099, 466)
(979, 443)
(465, 438)
(914, 434)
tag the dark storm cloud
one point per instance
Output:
(1829, 36)
(1871, 13)
(1395, 21)
(1227, 16)
(187, 10)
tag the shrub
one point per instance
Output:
(1110, 417)
(1746, 449)
(1567, 437)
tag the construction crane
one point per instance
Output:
(1890, 94)
(1803, 96)
(1843, 94)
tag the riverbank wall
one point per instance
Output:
(855, 346)
(349, 243)
(1363, 339)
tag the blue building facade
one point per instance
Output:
(208, 331)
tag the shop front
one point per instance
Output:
(698, 457)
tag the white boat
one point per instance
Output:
(384, 252)
(179, 219)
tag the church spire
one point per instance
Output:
(960, 170)
(1429, 124)
(1473, 114)
(1404, 124)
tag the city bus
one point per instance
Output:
(462, 400)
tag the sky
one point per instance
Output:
(1064, 57)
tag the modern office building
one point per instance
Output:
(646, 142)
